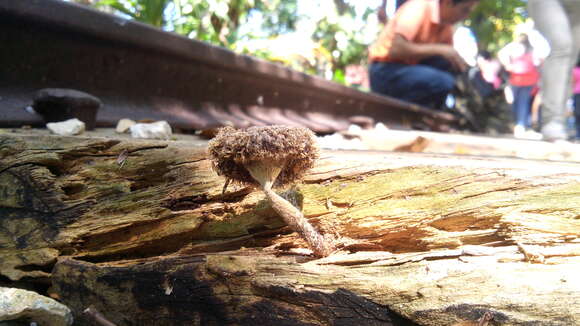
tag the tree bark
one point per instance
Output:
(142, 231)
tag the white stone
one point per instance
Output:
(155, 130)
(380, 127)
(67, 128)
(27, 305)
(124, 125)
(337, 141)
(354, 129)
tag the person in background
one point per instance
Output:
(519, 61)
(484, 77)
(536, 104)
(576, 75)
(413, 58)
(559, 23)
(490, 68)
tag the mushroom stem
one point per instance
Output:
(264, 173)
(296, 220)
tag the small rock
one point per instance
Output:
(380, 127)
(338, 141)
(59, 104)
(124, 125)
(155, 130)
(354, 129)
(18, 304)
(67, 128)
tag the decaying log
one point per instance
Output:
(150, 239)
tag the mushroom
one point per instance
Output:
(269, 157)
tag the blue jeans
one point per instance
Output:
(521, 105)
(577, 114)
(426, 83)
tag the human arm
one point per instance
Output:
(504, 56)
(402, 49)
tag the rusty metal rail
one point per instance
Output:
(142, 72)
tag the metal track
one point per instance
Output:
(142, 72)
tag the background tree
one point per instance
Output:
(219, 21)
(494, 22)
(214, 21)
(146, 11)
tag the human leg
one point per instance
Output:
(521, 105)
(447, 80)
(577, 114)
(521, 109)
(553, 22)
(419, 84)
(572, 8)
(380, 75)
(438, 63)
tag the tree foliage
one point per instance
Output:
(146, 11)
(219, 21)
(494, 22)
(341, 35)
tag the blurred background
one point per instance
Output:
(326, 38)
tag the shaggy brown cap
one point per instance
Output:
(293, 148)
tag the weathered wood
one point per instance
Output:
(240, 289)
(152, 240)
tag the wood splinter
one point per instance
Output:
(269, 157)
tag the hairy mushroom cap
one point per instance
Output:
(293, 149)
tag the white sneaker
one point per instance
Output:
(521, 133)
(554, 131)
(530, 134)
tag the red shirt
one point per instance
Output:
(523, 72)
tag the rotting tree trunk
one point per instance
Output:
(151, 239)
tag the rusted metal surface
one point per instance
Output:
(141, 72)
